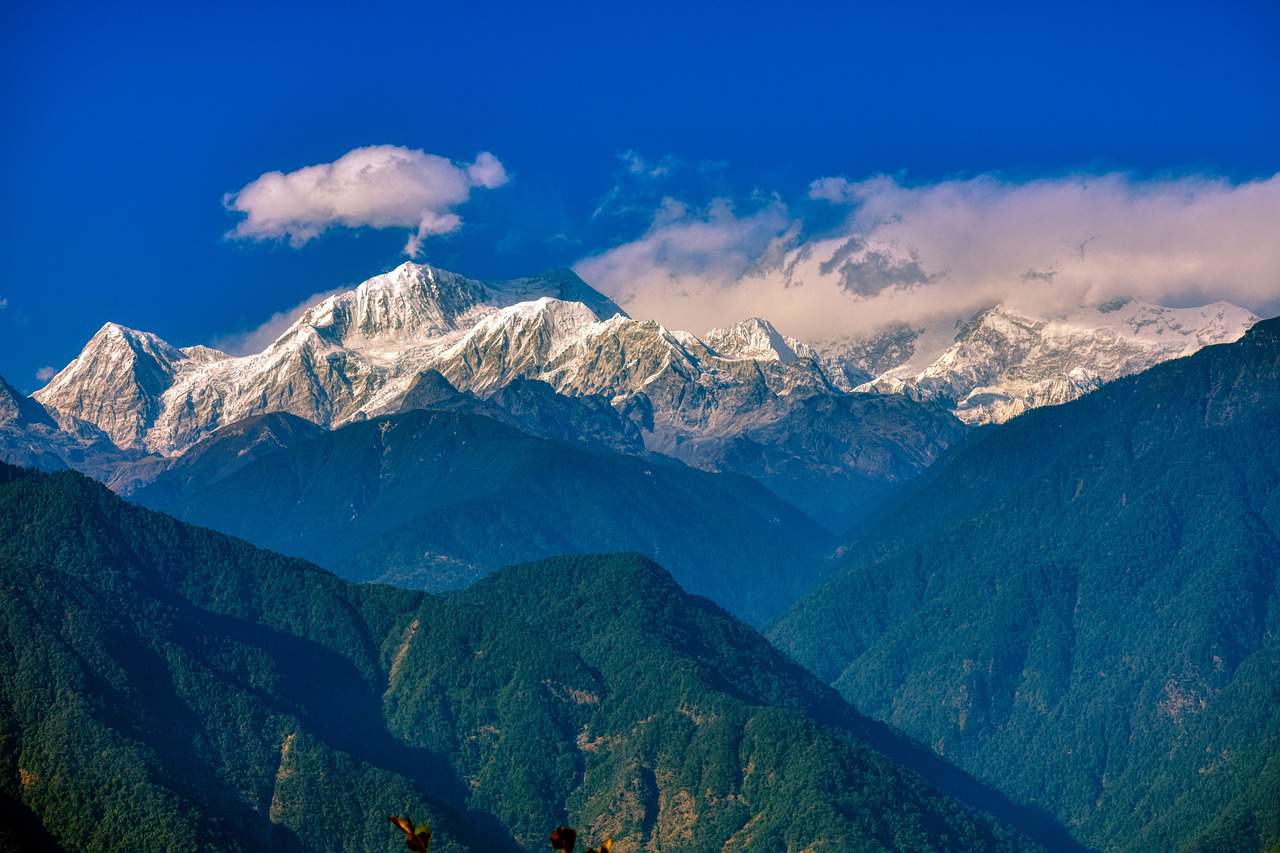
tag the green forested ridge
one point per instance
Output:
(433, 499)
(1081, 607)
(166, 687)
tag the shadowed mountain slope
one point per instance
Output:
(434, 499)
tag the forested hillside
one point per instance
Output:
(1082, 607)
(166, 687)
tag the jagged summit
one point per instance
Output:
(358, 353)
(756, 338)
(419, 302)
(202, 354)
(560, 283)
(409, 301)
(116, 382)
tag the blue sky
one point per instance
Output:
(125, 125)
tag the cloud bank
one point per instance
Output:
(911, 253)
(260, 337)
(379, 186)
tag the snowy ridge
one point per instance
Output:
(1005, 361)
(357, 354)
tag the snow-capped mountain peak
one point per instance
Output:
(358, 353)
(353, 353)
(410, 301)
(116, 382)
(757, 339)
(202, 354)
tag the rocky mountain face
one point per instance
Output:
(19, 410)
(1082, 606)
(1004, 361)
(117, 383)
(534, 407)
(30, 436)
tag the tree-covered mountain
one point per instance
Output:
(1082, 607)
(164, 687)
(434, 499)
(167, 687)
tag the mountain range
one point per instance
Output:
(834, 427)
(1038, 548)
(1082, 607)
(1004, 361)
(167, 687)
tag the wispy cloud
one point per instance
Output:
(264, 334)
(641, 181)
(380, 186)
(44, 374)
(904, 253)
(4, 303)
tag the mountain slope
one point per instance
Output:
(1082, 606)
(839, 457)
(29, 436)
(166, 687)
(534, 407)
(435, 498)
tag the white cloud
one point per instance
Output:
(380, 186)
(260, 337)
(4, 303)
(685, 255)
(44, 374)
(830, 189)
(905, 253)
